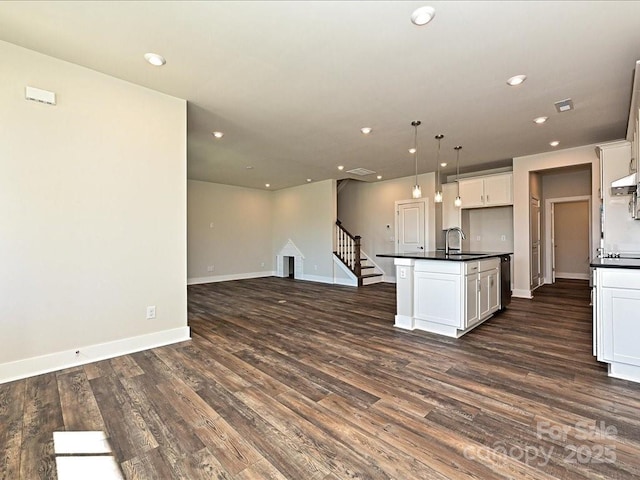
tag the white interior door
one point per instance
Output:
(534, 218)
(553, 244)
(410, 226)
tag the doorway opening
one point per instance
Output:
(568, 235)
(289, 267)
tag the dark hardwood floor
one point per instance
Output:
(299, 380)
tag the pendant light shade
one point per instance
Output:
(458, 201)
(417, 191)
(438, 196)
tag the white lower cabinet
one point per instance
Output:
(617, 321)
(452, 297)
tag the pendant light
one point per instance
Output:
(416, 192)
(438, 196)
(458, 200)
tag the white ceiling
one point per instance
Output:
(291, 83)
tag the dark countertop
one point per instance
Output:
(616, 263)
(440, 255)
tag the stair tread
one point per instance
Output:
(369, 275)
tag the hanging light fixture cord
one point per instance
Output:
(416, 188)
(458, 201)
(415, 124)
(438, 197)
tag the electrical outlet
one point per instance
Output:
(211, 225)
(315, 267)
(210, 268)
(262, 264)
(478, 237)
(151, 312)
(503, 238)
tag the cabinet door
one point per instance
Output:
(484, 294)
(471, 300)
(450, 213)
(620, 325)
(497, 190)
(437, 298)
(472, 192)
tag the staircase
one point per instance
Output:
(348, 251)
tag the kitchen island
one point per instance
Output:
(447, 294)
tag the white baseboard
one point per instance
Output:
(318, 278)
(347, 282)
(573, 276)
(519, 293)
(226, 278)
(91, 353)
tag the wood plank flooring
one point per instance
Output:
(297, 380)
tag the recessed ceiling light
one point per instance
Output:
(540, 120)
(249, 167)
(379, 177)
(517, 80)
(443, 164)
(308, 179)
(267, 185)
(340, 167)
(366, 130)
(217, 134)
(423, 15)
(555, 143)
(412, 150)
(155, 59)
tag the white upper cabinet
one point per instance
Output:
(490, 191)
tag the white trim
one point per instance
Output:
(519, 293)
(350, 281)
(290, 250)
(389, 279)
(226, 278)
(29, 367)
(426, 234)
(548, 241)
(573, 276)
(318, 278)
(624, 371)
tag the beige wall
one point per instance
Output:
(571, 229)
(93, 208)
(572, 183)
(306, 215)
(522, 167)
(366, 209)
(229, 230)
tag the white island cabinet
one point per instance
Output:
(617, 320)
(446, 297)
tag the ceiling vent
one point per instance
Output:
(360, 171)
(564, 105)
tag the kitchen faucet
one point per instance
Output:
(461, 234)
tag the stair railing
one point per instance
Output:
(348, 248)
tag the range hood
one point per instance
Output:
(625, 185)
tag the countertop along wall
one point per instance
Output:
(93, 208)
